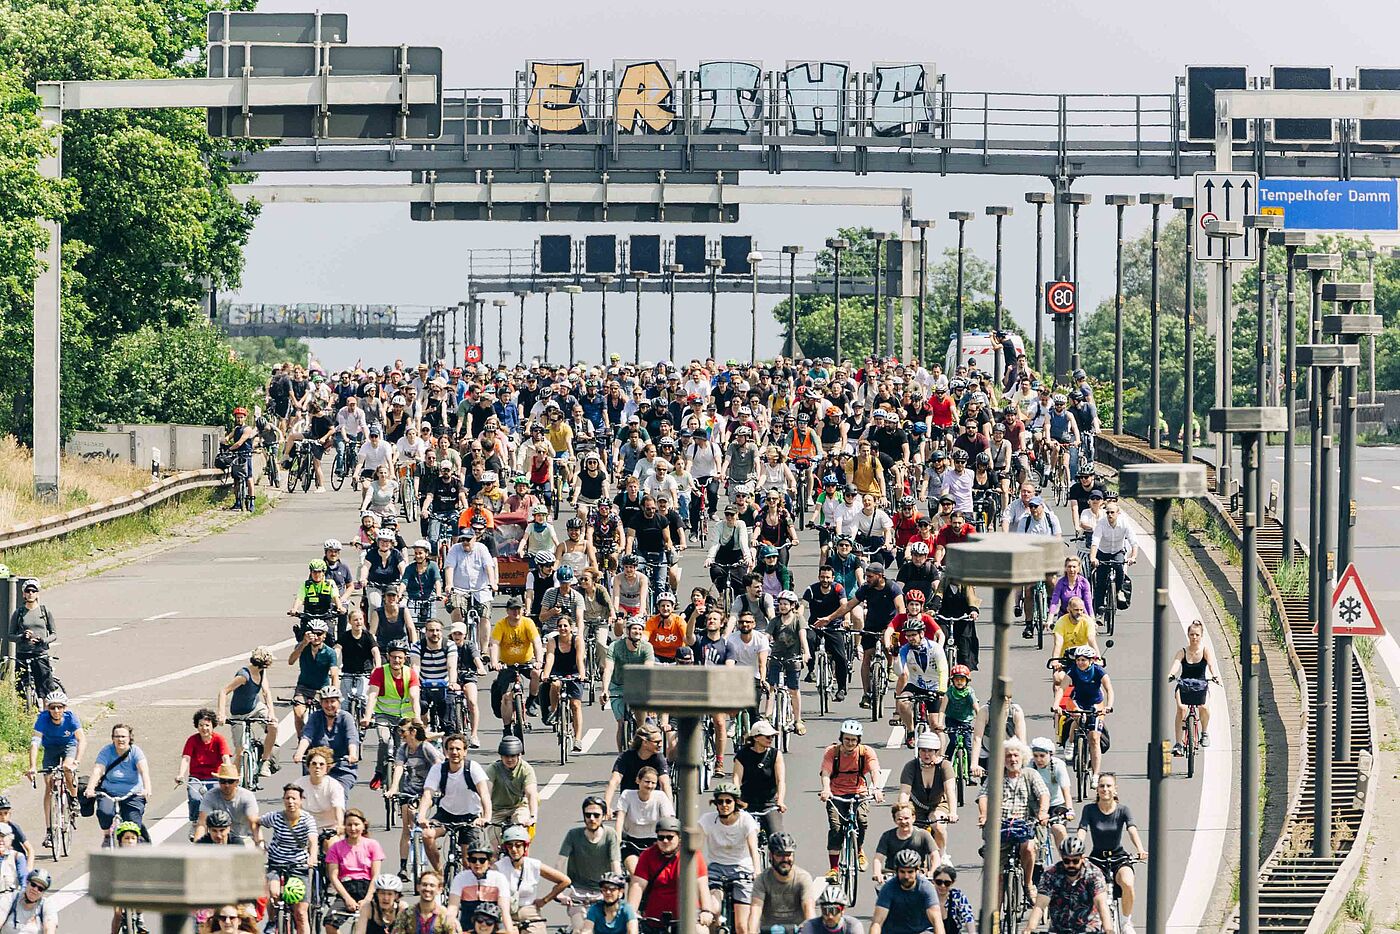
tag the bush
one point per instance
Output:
(186, 374)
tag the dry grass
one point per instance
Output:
(83, 482)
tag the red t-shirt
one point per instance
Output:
(946, 536)
(906, 527)
(942, 410)
(376, 679)
(205, 758)
(663, 885)
(932, 631)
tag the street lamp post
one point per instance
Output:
(522, 295)
(1290, 240)
(1250, 423)
(1188, 381)
(714, 263)
(1318, 266)
(1076, 200)
(1000, 212)
(572, 290)
(923, 226)
(836, 245)
(673, 269)
(755, 258)
(605, 280)
(639, 275)
(500, 304)
(1154, 392)
(1118, 202)
(962, 217)
(1040, 199)
(1164, 484)
(1260, 225)
(1370, 257)
(549, 290)
(1001, 562)
(1225, 232)
(1348, 328)
(792, 252)
(879, 236)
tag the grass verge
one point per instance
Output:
(16, 724)
(84, 482)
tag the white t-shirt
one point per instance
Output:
(704, 458)
(746, 653)
(727, 844)
(320, 801)
(639, 817)
(871, 526)
(522, 883)
(458, 797)
(373, 456)
(655, 487)
(470, 566)
(411, 450)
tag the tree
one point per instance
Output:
(263, 353)
(185, 374)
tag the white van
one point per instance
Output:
(978, 349)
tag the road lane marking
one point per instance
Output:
(160, 831)
(881, 778)
(589, 738)
(896, 738)
(103, 632)
(555, 781)
(152, 619)
(172, 676)
(238, 558)
(1370, 479)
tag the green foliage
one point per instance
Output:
(145, 205)
(816, 326)
(184, 374)
(262, 353)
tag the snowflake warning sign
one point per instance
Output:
(1353, 614)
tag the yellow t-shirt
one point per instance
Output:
(560, 436)
(517, 642)
(1073, 634)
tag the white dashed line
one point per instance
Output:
(172, 676)
(152, 619)
(1370, 479)
(103, 632)
(589, 738)
(556, 781)
(896, 739)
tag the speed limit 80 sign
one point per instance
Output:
(1059, 298)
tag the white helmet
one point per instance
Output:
(55, 697)
(853, 727)
(331, 544)
(918, 548)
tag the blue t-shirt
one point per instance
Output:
(57, 735)
(1087, 684)
(314, 668)
(625, 913)
(908, 910)
(124, 778)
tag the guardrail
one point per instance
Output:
(83, 517)
(1296, 891)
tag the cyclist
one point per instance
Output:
(60, 734)
(760, 772)
(1073, 895)
(515, 645)
(783, 893)
(318, 667)
(434, 660)
(590, 856)
(1090, 689)
(30, 912)
(632, 649)
(731, 850)
(650, 539)
(479, 888)
(922, 667)
(1086, 418)
(903, 836)
(646, 753)
(787, 633)
(1102, 826)
(230, 801)
(292, 849)
(1195, 668)
(630, 587)
(928, 783)
(849, 769)
(352, 864)
(654, 891)
(32, 631)
(383, 567)
(428, 915)
(666, 630)
(833, 918)
(882, 599)
(463, 797)
(731, 555)
(1113, 549)
(610, 914)
(239, 442)
(123, 778)
(1055, 774)
(317, 598)
(575, 552)
(907, 903)
(822, 599)
(515, 792)
(957, 531)
(638, 810)
(1083, 490)
(470, 579)
(247, 698)
(1024, 803)
(563, 666)
(383, 908)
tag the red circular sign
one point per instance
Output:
(473, 353)
(1059, 298)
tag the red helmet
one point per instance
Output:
(240, 411)
(960, 671)
(911, 595)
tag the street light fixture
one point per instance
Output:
(1040, 199)
(1154, 394)
(674, 269)
(1076, 200)
(1225, 232)
(879, 237)
(836, 245)
(1118, 202)
(1000, 212)
(713, 263)
(792, 252)
(755, 258)
(1370, 257)
(1164, 484)
(605, 280)
(961, 217)
(923, 226)
(572, 290)
(500, 304)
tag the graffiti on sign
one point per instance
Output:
(902, 99)
(729, 96)
(646, 96)
(555, 104)
(816, 96)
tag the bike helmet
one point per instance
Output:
(317, 625)
(423, 544)
(984, 459)
(214, 821)
(542, 558)
(788, 595)
(515, 834)
(293, 890)
(1080, 374)
(928, 740)
(852, 727)
(1041, 744)
(385, 534)
(565, 575)
(398, 645)
(833, 895)
(40, 877)
(782, 843)
(630, 561)
(476, 843)
(55, 698)
(388, 882)
(540, 509)
(907, 859)
(617, 880)
(830, 479)
(510, 746)
(317, 565)
(960, 456)
(913, 595)
(912, 626)
(1073, 846)
(845, 540)
(667, 596)
(130, 826)
(1059, 398)
(574, 523)
(331, 544)
(767, 551)
(487, 910)
(907, 502)
(1086, 651)
(918, 548)
(725, 790)
(960, 671)
(1076, 395)
(920, 428)
(521, 480)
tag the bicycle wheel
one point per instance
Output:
(823, 679)
(1110, 606)
(1192, 737)
(1011, 894)
(293, 473)
(960, 770)
(68, 821)
(1041, 612)
(248, 762)
(1081, 765)
(879, 680)
(561, 726)
(784, 712)
(410, 499)
(308, 476)
(338, 472)
(850, 865)
(707, 760)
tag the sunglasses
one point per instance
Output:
(1072, 860)
(40, 886)
(665, 836)
(228, 917)
(593, 815)
(942, 881)
(478, 859)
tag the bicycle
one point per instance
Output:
(1192, 723)
(824, 677)
(707, 758)
(249, 749)
(762, 835)
(280, 911)
(725, 921)
(593, 658)
(925, 703)
(728, 580)
(563, 717)
(25, 685)
(131, 922)
(271, 455)
(986, 511)
(960, 755)
(1013, 874)
(848, 862)
(441, 527)
(655, 568)
(879, 681)
(1109, 864)
(520, 692)
(453, 860)
(1045, 845)
(1107, 574)
(346, 459)
(950, 644)
(1081, 749)
(63, 812)
(783, 720)
(1038, 617)
(803, 468)
(437, 705)
(408, 491)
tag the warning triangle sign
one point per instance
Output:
(1353, 614)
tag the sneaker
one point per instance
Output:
(1067, 751)
(865, 701)
(1028, 632)
(1127, 926)
(863, 862)
(833, 874)
(840, 695)
(1178, 750)
(532, 708)
(719, 765)
(265, 770)
(474, 743)
(1205, 739)
(894, 721)
(576, 749)
(1018, 609)
(801, 728)
(276, 766)
(909, 738)
(319, 489)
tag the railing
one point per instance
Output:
(56, 526)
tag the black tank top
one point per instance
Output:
(565, 661)
(1193, 670)
(592, 487)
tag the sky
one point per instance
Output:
(375, 254)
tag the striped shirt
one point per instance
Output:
(287, 844)
(432, 663)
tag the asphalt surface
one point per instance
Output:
(148, 643)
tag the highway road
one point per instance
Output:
(147, 643)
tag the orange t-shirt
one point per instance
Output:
(847, 772)
(666, 635)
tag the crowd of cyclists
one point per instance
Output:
(457, 605)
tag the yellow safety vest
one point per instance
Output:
(390, 702)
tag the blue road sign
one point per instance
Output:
(1312, 204)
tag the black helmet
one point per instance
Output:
(510, 746)
(1080, 374)
(782, 843)
(960, 456)
(487, 910)
(1073, 846)
(907, 859)
(594, 801)
(574, 523)
(984, 459)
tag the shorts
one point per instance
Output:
(573, 690)
(300, 872)
(1058, 810)
(54, 756)
(629, 610)
(447, 817)
(870, 639)
(358, 889)
(788, 669)
(737, 879)
(304, 695)
(617, 702)
(633, 846)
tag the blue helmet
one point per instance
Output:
(564, 575)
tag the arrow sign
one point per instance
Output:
(1229, 196)
(1353, 613)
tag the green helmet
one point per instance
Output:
(317, 565)
(727, 789)
(294, 890)
(127, 826)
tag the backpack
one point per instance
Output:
(466, 774)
